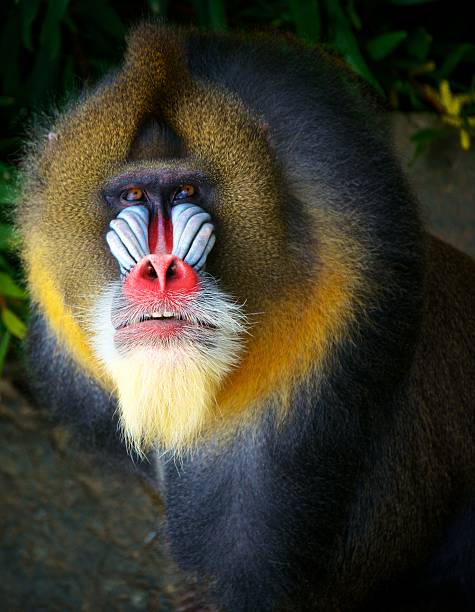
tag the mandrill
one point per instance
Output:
(230, 280)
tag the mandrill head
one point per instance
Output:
(185, 237)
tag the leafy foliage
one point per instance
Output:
(418, 54)
(13, 298)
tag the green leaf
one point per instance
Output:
(217, 15)
(453, 59)
(410, 2)
(5, 337)
(422, 139)
(405, 64)
(407, 89)
(7, 100)
(201, 11)
(7, 234)
(345, 42)
(305, 15)
(353, 15)
(6, 266)
(10, 73)
(427, 135)
(14, 142)
(103, 15)
(9, 288)
(8, 188)
(43, 76)
(14, 325)
(7, 172)
(8, 194)
(50, 36)
(69, 76)
(418, 44)
(28, 12)
(381, 46)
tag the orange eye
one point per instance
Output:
(134, 194)
(183, 192)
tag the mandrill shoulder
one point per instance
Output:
(444, 261)
(449, 302)
(444, 365)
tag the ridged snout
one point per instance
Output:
(192, 238)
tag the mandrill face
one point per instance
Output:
(165, 332)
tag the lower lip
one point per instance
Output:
(157, 328)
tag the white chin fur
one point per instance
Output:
(166, 390)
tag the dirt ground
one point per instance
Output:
(75, 536)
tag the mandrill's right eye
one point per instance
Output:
(133, 195)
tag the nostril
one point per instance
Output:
(150, 271)
(161, 274)
(171, 270)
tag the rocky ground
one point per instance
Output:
(75, 536)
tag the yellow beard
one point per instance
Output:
(166, 397)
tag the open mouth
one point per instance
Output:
(210, 323)
(161, 322)
(161, 317)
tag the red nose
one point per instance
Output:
(161, 274)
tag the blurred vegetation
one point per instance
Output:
(418, 54)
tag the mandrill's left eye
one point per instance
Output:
(134, 195)
(184, 192)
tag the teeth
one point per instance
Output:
(166, 314)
